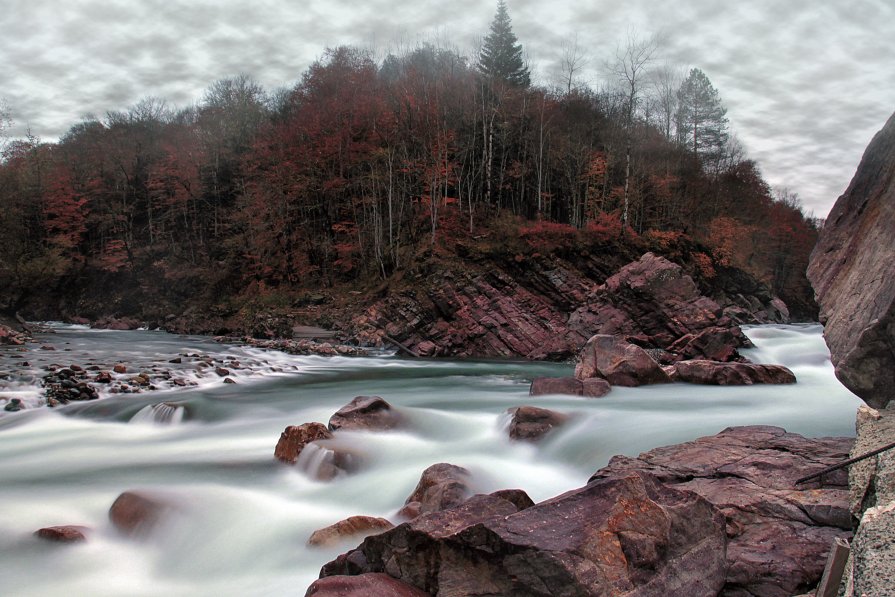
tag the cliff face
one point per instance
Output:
(852, 270)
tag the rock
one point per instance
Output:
(618, 362)
(732, 374)
(714, 344)
(229, 380)
(779, 534)
(294, 439)
(531, 423)
(120, 368)
(136, 513)
(364, 585)
(63, 534)
(440, 486)
(591, 388)
(356, 527)
(221, 371)
(873, 553)
(103, 377)
(14, 405)
(365, 413)
(851, 272)
(517, 497)
(622, 536)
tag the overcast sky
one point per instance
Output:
(806, 82)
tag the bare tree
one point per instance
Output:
(666, 81)
(574, 59)
(5, 124)
(629, 68)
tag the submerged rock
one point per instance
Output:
(63, 534)
(294, 439)
(136, 513)
(531, 423)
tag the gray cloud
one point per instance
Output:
(807, 83)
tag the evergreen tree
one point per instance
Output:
(501, 56)
(701, 118)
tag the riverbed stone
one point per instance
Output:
(353, 527)
(618, 362)
(365, 413)
(531, 423)
(63, 534)
(731, 374)
(137, 513)
(440, 486)
(364, 585)
(294, 438)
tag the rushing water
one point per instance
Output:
(243, 519)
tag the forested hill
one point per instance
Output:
(362, 170)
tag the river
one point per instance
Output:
(243, 519)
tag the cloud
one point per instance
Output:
(806, 84)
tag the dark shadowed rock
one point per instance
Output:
(517, 497)
(365, 585)
(365, 413)
(714, 344)
(63, 534)
(137, 513)
(623, 536)
(732, 374)
(618, 362)
(353, 527)
(851, 271)
(294, 439)
(440, 486)
(779, 533)
(531, 423)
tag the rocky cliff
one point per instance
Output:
(852, 269)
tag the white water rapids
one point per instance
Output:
(243, 519)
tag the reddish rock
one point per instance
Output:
(440, 486)
(221, 371)
(356, 527)
(714, 344)
(120, 368)
(517, 497)
(531, 423)
(732, 374)
(541, 386)
(365, 413)
(851, 272)
(364, 585)
(779, 533)
(137, 513)
(103, 377)
(618, 362)
(294, 439)
(63, 534)
(595, 387)
(628, 535)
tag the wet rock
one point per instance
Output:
(440, 486)
(353, 527)
(14, 405)
(517, 497)
(63, 534)
(229, 380)
(103, 377)
(626, 535)
(176, 360)
(779, 534)
(595, 387)
(541, 386)
(732, 374)
(136, 513)
(294, 439)
(120, 368)
(367, 413)
(714, 344)
(364, 585)
(851, 272)
(531, 423)
(222, 372)
(618, 362)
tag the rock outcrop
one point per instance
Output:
(851, 272)
(778, 533)
(626, 536)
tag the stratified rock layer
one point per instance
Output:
(851, 270)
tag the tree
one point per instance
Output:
(501, 55)
(701, 118)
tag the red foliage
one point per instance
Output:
(546, 236)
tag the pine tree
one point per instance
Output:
(501, 56)
(701, 118)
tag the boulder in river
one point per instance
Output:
(531, 423)
(136, 513)
(628, 535)
(570, 386)
(618, 362)
(294, 439)
(364, 585)
(353, 527)
(731, 374)
(63, 534)
(440, 486)
(365, 413)
(851, 271)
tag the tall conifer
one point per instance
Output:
(501, 56)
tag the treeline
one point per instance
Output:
(347, 175)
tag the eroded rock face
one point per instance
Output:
(530, 423)
(731, 374)
(629, 535)
(851, 270)
(294, 439)
(618, 362)
(365, 413)
(779, 534)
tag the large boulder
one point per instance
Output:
(629, 535)
(594, 387)
(618, 362)
(365, 413)
(851, 272)
(779, 532)
(441, 486)
(731, 374)
(531, 423)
